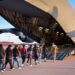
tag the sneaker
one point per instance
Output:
(13, 68)
(22, 65)
(31, 65)
(19, 68)
(37, 61)
(2, 71)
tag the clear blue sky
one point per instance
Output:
(4, 24)
(72, 2)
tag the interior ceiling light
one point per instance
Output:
(40, 28)
(46, 30)
(57, 32)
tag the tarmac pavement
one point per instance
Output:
(64, 67)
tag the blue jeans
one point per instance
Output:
(2, 64)
(16, 59)
(40, 56)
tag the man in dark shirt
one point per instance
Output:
(2, 54)
(35, 53)
(45, 50)
(9, 54)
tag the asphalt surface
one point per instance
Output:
(64, 67)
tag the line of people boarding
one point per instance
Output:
(12, 55)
